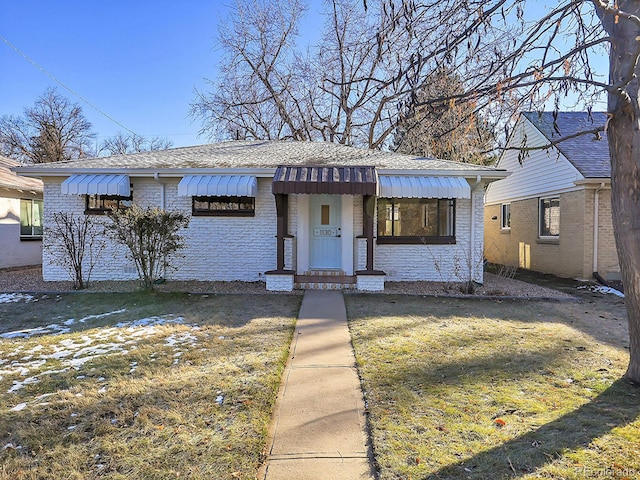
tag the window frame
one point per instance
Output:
(419, 239)
(32, 235)
(120, 205)
(505, 225)
(541, 209)
(230, 199)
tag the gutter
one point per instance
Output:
(156, 177)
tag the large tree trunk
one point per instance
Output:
(624, 144)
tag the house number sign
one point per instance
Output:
(325, 232)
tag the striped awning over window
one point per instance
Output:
(396, 186)
(218, 186)
(333, 180)
(92, 184)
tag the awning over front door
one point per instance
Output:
(331, 180)
(396, 186)
(89, 184)
(218, 186)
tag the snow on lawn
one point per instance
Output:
(604, 290)
(56, 328)
(15, 297)
(29, 365)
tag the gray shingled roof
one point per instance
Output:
(587, 153)
(258, 155)
(9, 179)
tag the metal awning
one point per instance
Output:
(90, 184)
(332, 180)
(218, 186)
(396, 186)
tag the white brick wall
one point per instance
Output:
(447, 263)
(217, 248)
(243, 248)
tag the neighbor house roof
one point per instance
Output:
(8, 179)
(588, 153)
(258, 155)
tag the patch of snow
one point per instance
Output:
(603, 289)
(15, 297)
(17, 408)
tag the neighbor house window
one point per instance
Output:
(550, 217)
(103, 204)
(505, 216)
(416, 220)
(224, 206)
(30, 219)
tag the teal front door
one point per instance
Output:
(325, 240)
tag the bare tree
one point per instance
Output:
(54, 129)
(75, 242)
(354, 88)
(121, 144)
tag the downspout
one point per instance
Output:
(156, 177)
(596, 206)
(473, 230)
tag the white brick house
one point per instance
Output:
(289, 213)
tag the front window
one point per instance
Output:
(224, 206)
(505, 216)
(103, 204)
(550, 217)
(30, 219)
(416, 220)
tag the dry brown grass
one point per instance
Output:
(493, 390)
(188, 395)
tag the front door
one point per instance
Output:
(325, 242)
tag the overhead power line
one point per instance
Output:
(52, 77)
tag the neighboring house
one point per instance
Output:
(20, 218)
(303, 213)
(553, 213)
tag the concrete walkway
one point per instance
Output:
(318, 430)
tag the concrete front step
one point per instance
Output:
(330, 279)
(324, 286)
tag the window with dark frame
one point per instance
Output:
(550, 217)
(98, 204)
(505, 216)
(224, 206)
(416, 220)
(31, 219)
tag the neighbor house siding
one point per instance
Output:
(448, 263)
(16, 252)
(541, 172)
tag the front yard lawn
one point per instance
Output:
(459, 389)
(122, 386)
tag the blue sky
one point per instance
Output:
(138, 61)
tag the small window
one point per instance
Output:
(550, 217)
(30, 219)
(224, 206)
(416, 220)
(505, 216)
(103, 204)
